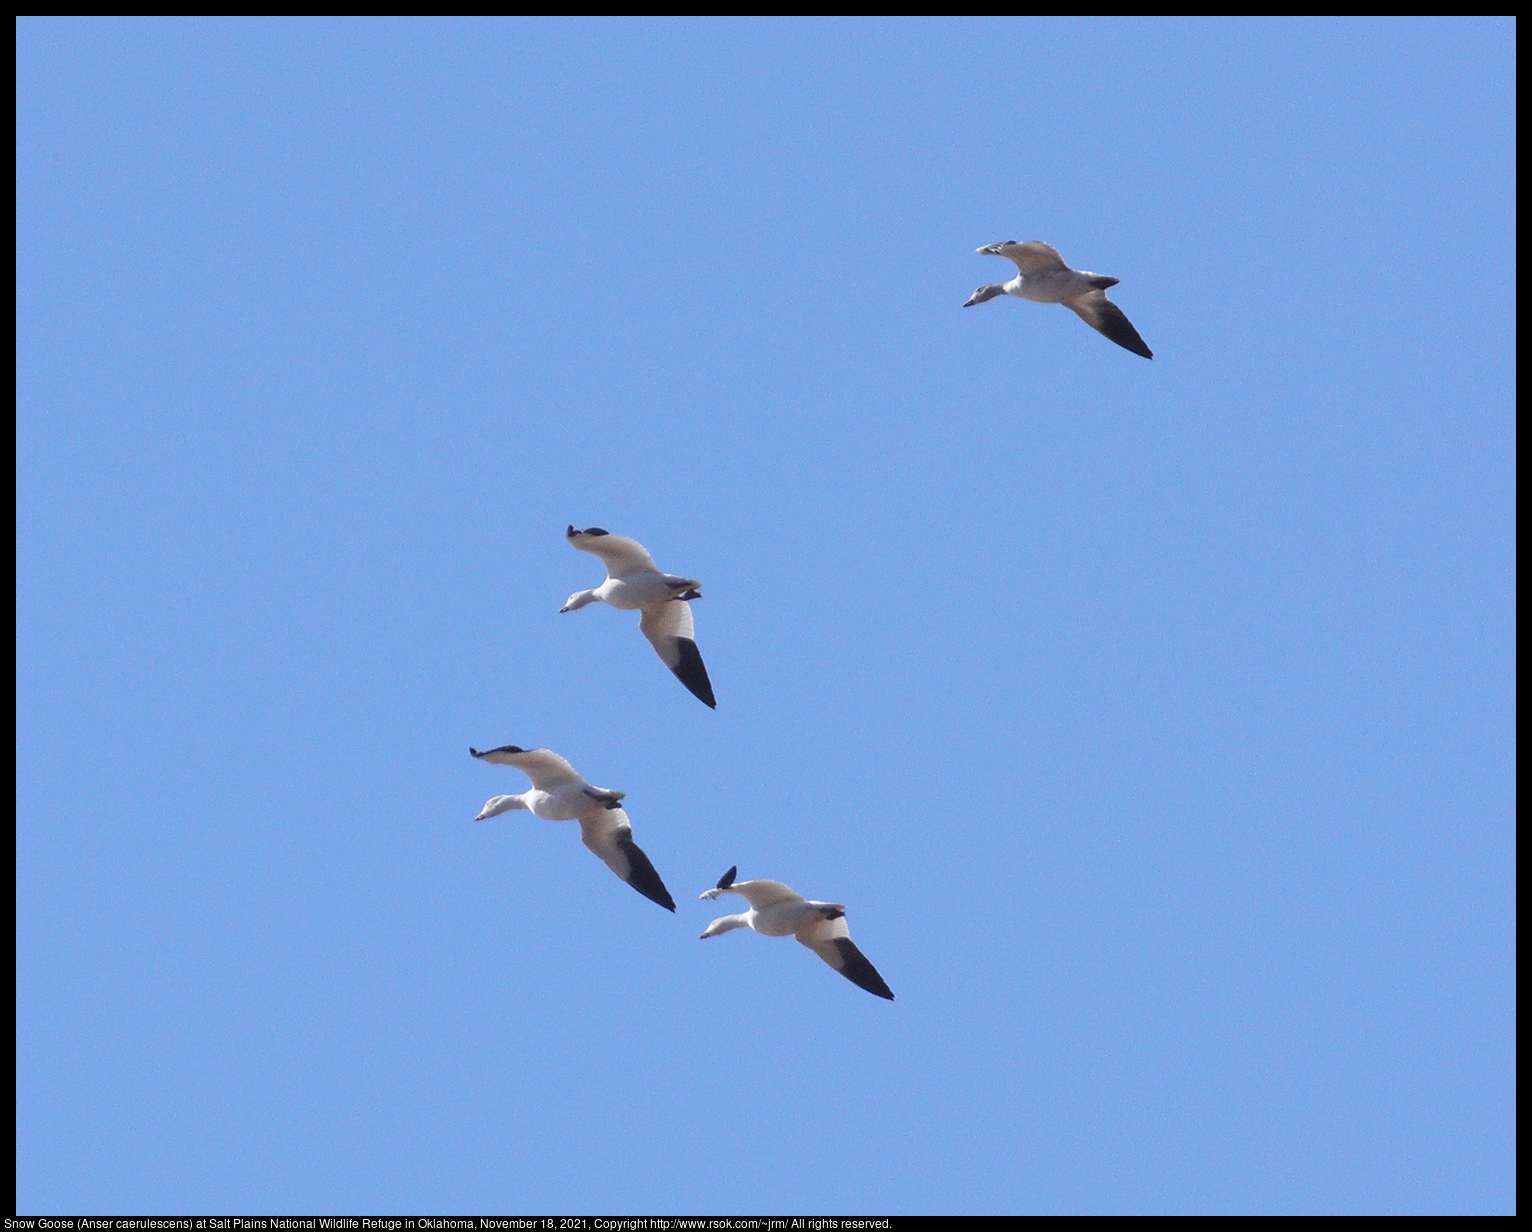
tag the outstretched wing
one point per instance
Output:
(546, 770)
(621, 556)
(831, 940)
(1101, 314)
(1032, 258)
(763, 894)
(609, 834)
(668, 626)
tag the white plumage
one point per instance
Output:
(559, 794)
(633, 581)
(777, 910)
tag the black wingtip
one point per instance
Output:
(1129, 340)
(690, 672)
(504, 748)
(855, 967)
(727, 879)
(665, 902)
(571, 532)
(1113, 322)
(643, 877)
(654, 890)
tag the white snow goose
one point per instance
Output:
(633, 581)
(777, 910)
(560, 794)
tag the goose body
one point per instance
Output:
(634, 582)
(1043, 276)
(558, 793)
(777, 910)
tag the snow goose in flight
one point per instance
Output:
(560, 794)
(778, 911)
(1045, 278)
(632, 581)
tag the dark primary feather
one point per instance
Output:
(641, 874)
(855, 967)
(690, 672)
(1106, 317)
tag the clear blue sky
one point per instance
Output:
(1152, 718)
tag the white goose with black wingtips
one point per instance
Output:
(633, 582)
(1044, 277)
(559, 794)
(777, 910)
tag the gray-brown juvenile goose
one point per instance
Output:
(1044, 278)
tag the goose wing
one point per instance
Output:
(1032, 258)
(829, 937)
(668, 626)
(547, 770)
(609, 834)
(621, 556)
(1101, 314)
(763, 894)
